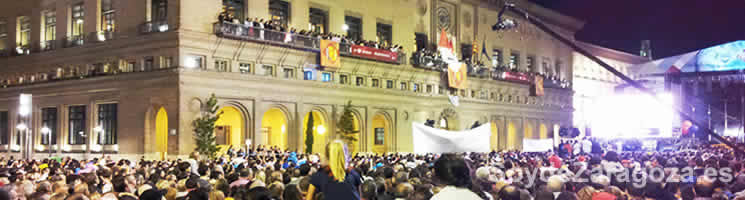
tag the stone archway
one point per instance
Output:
(230, 127)
(319, 129)
(275, 127)
(448, 120)
(382, 137)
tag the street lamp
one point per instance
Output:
(48, 132)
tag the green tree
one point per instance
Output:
(204, 128)
(346, 125)
(309, 134)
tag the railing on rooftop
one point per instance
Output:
(278, 38)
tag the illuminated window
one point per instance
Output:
(514, 60)
(379, 136)
(416, 87)
(429, 88)
(107, 119)
(24, 26)
(308, 75)
(318, 20)
(279, 10)
(107, 16)
(404, 86)
(235, 7)
(326, 77)
(77, 19)
(50, 26)
(389, 84)
(76, 127)
(497, 57)
(530, 62)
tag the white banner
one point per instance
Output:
(537, 145)
(432, 140)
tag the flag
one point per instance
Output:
(330, 54)
(457, 75)
(475, 53)
(444, 41)
(483, 49)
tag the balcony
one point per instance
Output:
(154, 27)
(303, 42)
(73, 41)
(432, 61)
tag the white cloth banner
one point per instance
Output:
(432, 140)
(537, 145)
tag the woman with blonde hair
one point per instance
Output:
(334, 180)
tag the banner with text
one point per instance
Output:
(431, 140)
(374, 54)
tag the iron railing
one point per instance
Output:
(73, 41)
(279, 38)
(154, 27)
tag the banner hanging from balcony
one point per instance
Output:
(330, 54)
(457, 75)
(538, 86)
(374, 54)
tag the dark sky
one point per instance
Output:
(674, 26)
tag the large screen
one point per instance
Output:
(725, 57)
(632, 116)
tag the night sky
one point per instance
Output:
(674, 26)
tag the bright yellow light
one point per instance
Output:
(321, 130)
(284, 128)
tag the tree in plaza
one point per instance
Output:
(346, 125)
(204, 128)
(309, 134)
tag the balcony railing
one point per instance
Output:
(73, 41)
(278, 38)
(154, 27)
(48, 45)
(432, 61)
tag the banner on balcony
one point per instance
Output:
(431, 140)
(457, 75)
(330, 54)
(374, 54)
(538, 86)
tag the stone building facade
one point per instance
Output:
(127, 78)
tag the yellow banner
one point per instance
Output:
(330, 54)
(457, 79)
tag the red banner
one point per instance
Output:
(516, 76)
(374, 54)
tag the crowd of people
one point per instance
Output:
(274, 174)
(276, 31)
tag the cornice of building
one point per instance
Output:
(612, 53)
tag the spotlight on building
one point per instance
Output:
(163, 28)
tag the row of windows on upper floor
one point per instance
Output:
(75, 123)
(76, 35)
(153, 63)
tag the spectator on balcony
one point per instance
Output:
(261, 25)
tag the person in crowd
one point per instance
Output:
(454, 174)
(334, 180)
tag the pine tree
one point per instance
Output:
(309, 134)
(204, 128)
(346, 125)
